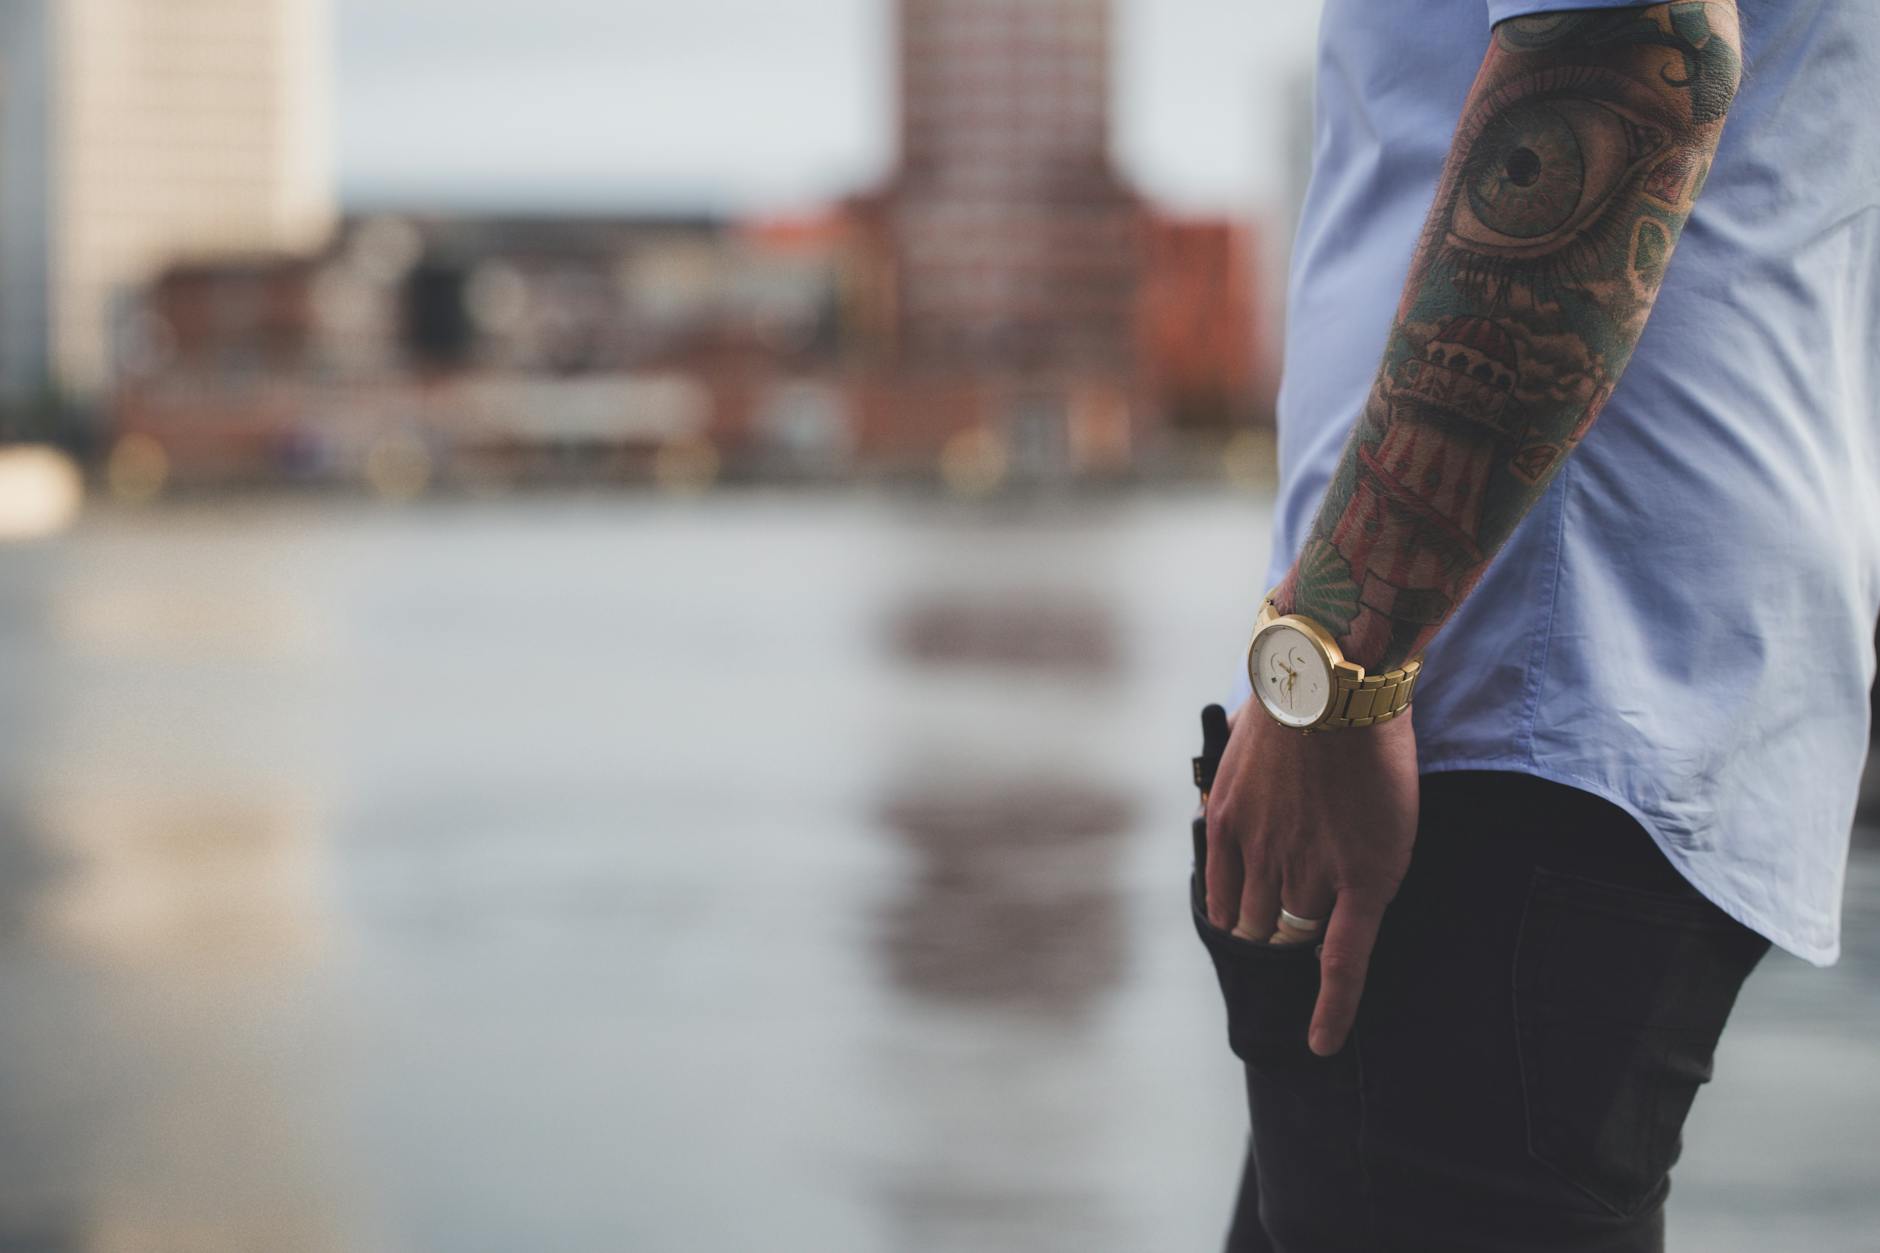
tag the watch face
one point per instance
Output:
(1290, 676)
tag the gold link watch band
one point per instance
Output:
(1374, 698)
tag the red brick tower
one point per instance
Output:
(1015, 242)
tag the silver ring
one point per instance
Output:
(1287, 918)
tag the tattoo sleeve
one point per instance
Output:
(1582, 146)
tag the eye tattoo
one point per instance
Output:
(1543, 168)
(1547, 161)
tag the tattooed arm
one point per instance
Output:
(1582, 145)
(1583, 142)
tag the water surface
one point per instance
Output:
(756, 872)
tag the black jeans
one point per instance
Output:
(1544, 1000)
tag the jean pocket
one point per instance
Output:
(1269, 989)
(1620, 996)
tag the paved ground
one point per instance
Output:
(795, 874)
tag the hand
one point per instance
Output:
(1322, 825)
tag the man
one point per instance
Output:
(1477, 956)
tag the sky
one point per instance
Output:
(755, 106)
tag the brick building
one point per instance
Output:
(1199, 322)
(1012, 247)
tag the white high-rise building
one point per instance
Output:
(138, 133)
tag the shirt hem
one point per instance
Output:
(1821, 955)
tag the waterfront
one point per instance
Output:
(749, 871)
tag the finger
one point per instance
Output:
(1344, 959)
(1302, 898)
(1259, 904)
(1221, 878)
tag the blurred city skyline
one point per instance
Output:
(953, 238)
(740, 106)
(1005, 300)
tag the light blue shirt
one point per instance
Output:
(1684, 622)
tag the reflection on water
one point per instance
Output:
(757, 872)
(27, 869)
(1023, 632)
(1013, 899)
(162, 1006)
(217, 876)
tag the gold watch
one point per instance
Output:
(1304, 682)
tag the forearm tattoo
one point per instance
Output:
(1582, 146)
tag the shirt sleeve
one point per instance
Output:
(1502, 10)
